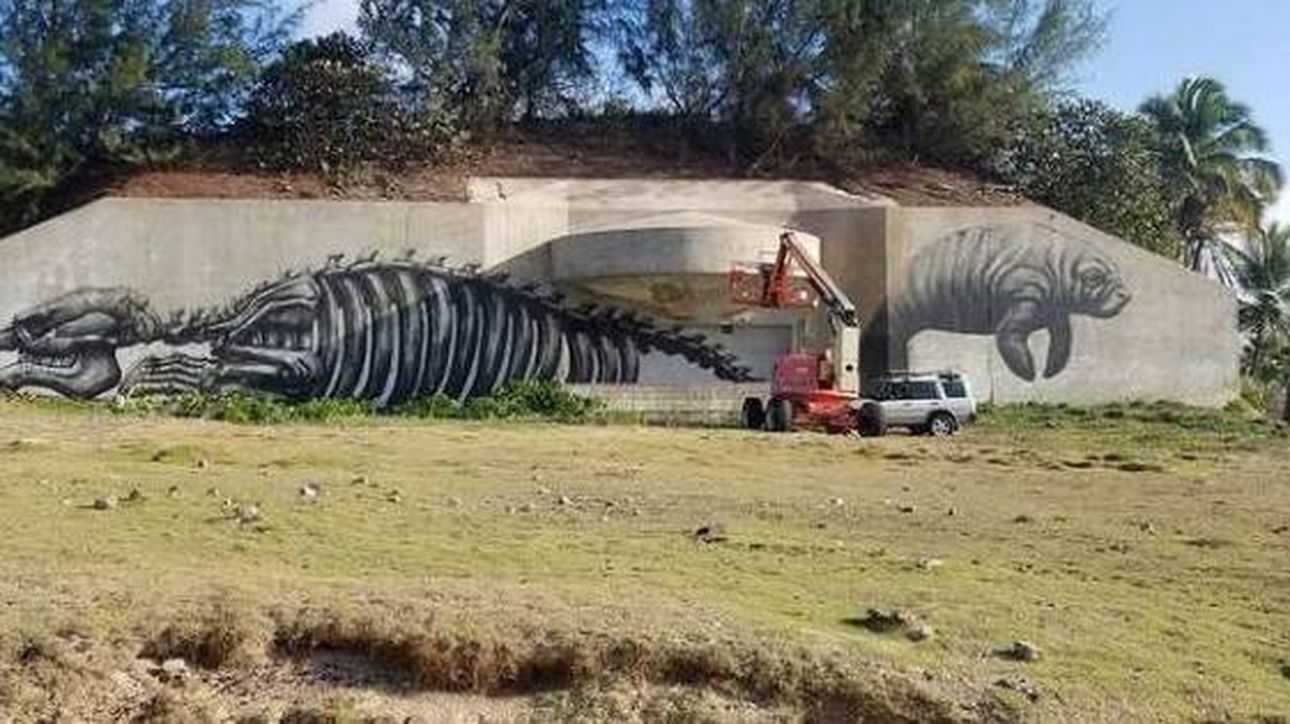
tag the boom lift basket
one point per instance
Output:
(751, 284)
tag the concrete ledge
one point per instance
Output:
(711, 405)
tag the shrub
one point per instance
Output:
(540, 399)
(326, 105)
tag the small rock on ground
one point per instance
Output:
(711, 533)
(921, 632)
(880, 620)
(173, 671)
(1019, 651)
(1021, 685)
(105, 503)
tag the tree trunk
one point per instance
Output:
(1256, 355)
(1285, 399)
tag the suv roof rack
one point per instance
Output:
(921, 373)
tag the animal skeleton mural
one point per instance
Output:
(386, 331)
(1008, 283)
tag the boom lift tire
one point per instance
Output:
(753, 415)
(779, 418)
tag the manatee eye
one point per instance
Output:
(1093, 278)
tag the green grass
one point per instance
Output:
(1133, 544)
(524, 400)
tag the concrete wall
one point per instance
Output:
(932, 285)
(1175, 337)
(182, 253)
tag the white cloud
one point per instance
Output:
(326, 16)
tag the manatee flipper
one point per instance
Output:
(1011, 336)
(1059, 345)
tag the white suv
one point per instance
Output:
(932, 403)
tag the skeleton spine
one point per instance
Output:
(393, 332)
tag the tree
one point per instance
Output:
(1040, 41)
(1098, 165)
(90, 84)
(1263, 276)
(745, 66)
(945, 80)
(327, 106)
(665, 48)
(488, 61)
(1211, 146)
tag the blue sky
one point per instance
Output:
(1150, 46)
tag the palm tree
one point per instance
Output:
(1211, 145)
(1263, 276)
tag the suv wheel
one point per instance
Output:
(779, 417)
(754, 413)
(941, 424)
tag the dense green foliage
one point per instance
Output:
(1100, 166)
(529, 399)
(327, 106)
(488, 61)
(937, 80)
(87, 85)
(1262, 269)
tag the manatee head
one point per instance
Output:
(1097, 289)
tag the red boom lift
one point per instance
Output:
(819, 388)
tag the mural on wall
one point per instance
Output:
(386, 331)
(1007, 282)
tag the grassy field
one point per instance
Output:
(529, 571)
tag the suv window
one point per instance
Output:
(923, 390)
(954, 388)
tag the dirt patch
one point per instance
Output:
(573, 153)
(214, 639)
(551, 661)
(329, 667)
(922, 186)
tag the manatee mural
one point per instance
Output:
(386, 331)
(1006, 282)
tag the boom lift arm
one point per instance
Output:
(842, 311)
